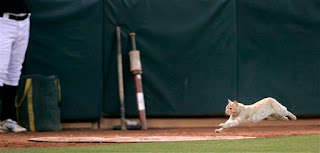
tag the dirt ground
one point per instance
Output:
(262, 129)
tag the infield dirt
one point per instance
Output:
(262, 129)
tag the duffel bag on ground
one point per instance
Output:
(37, 102)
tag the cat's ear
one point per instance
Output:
(235, 102)
(229, 101)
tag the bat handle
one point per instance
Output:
(133, 40)
(118, 39)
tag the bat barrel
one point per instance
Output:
(140, 101)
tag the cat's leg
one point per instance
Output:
(282, 111)
(219, 130)
(279, 117)
(291, 116)
(222, 124)
(271, 117)
(231, 123)
(284, 118)
(276, 117)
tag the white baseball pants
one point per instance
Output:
(14, 38)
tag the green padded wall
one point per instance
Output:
(279, 53)
(66, 40)
(195, 54)
(188, 52)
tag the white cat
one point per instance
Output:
(266, 108)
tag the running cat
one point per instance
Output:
(266, 108)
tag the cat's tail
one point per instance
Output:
(292, 116)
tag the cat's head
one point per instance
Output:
(232, 108)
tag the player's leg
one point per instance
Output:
(17, 56)
(8, 98)
(8, 33)
(18, 52)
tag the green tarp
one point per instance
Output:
(66, 40)
(279, 53)
(195, 54)
(188, 52)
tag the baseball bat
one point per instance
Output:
(136, 69)
(120, 79)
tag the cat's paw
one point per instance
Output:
(223, 125)
(219, 130)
